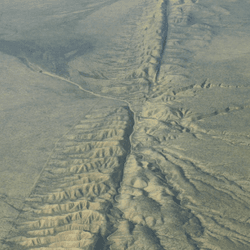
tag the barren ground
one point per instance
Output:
(124, 125)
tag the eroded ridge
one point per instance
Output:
(71, 206)
(154, 216)
(152, 32)
(172, 201)
(135, 60)
(121, 183)
(190, 29)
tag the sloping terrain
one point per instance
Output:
(168, 166)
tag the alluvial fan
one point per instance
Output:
(71, 206)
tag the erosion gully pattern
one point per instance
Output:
(71, 206)
(114, 182)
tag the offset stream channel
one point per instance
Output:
(167, 168)
(71, 205)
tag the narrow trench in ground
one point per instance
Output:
(102, 243)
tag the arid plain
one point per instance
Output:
(125, 125)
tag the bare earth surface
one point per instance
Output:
(125, 125)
